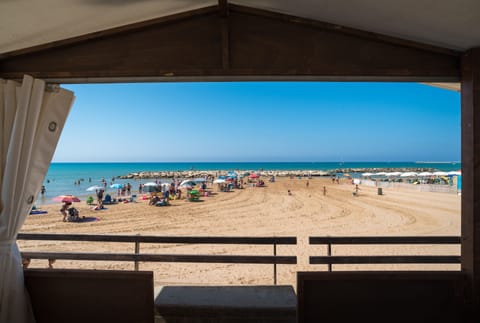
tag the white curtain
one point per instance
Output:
(32, 116)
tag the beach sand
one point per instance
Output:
(267, 211)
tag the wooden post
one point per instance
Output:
(275, 264)
(137, 251)
(471, 174)
(329, 252)
(225, 30)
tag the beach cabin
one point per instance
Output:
(65, 41)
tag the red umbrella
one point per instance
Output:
(66, 198)
(254, 175)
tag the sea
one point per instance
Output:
(76, 178)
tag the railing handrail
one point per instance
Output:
(328, 260)
(386, 240)
(231, 259)
(159, 239)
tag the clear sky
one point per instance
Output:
(269, 121)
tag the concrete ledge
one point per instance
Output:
(225, 304)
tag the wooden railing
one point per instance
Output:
(330, 259)
(137, 257)
(274, 259)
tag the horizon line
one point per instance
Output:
(245, 162)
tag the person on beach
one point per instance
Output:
(289, 192)
(43, 190)
(355, 192)
(307, 183)
(100, 198)
(178, 194)
(64, 209)
(324, 190)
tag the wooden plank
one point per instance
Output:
(470, 90)
(90, 295)
(376, 296)
(343, 29)
(386, 240)
(384, 260)
(162, 258)
(272, 46)
(224, 12)
(158, 239)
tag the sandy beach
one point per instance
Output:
(252, 211)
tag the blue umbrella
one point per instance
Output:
(116, 185)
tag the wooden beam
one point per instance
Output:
(384, 260)
(226, 259)
(158, 239)
(239, 43)
(386, 240)
(223, 7)
(470, 91)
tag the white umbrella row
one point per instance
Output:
(413, 174)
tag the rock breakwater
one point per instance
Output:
(281, 173)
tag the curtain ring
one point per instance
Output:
(52, 126)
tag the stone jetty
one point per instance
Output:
(284, 173)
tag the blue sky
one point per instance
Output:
(269, 121)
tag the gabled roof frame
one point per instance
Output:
(231, 42)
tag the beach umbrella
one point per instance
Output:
(254, 175)
(150, 184)
(394, 174)
(66, 198)
(232, 175)
(219, 181)
(150, 187)
(408, 174)
(186, 183)
(94, 188)
(455, 173)
(440, 173)
(116, 185)
(422, 174)
(200, 180)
